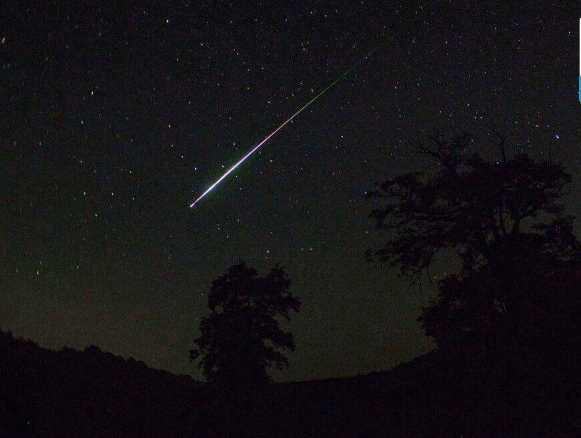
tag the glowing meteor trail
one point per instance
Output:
(255, 148)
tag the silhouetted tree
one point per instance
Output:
(504, 221)
(241, 337)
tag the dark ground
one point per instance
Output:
(521, 391)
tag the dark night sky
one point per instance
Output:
(114, 116)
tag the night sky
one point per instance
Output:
(115, 116)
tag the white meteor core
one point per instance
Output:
(255, 148)
(233, 168)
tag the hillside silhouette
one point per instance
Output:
(85, 393)
(531, 391)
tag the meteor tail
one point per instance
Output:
(255, 148)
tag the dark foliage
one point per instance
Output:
(466, 204)
(504, 221)
(241, 339)
(517, 303)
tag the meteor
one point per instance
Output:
(259, 145)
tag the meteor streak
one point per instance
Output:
(255, 148)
